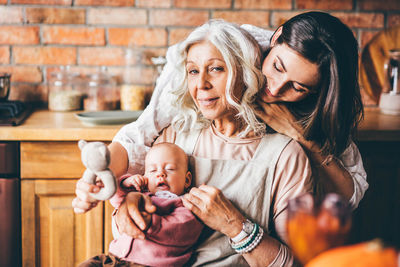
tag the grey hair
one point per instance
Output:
(242, 56)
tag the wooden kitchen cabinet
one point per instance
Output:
(52, 234)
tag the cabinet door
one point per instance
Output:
(52, 234)
(378, 215)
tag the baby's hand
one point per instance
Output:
(138, 182)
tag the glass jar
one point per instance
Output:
(134, 84)
(64, 93)
(101, 92)
(314, 226)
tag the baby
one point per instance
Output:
(172, 229)
(166, 169)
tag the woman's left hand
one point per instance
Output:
(211, 206)
(278, 117)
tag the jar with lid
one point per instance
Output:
(137, 80)
(101, 92)
(64, 93)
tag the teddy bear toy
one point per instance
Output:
(96, 158)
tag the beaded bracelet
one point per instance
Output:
(246, 240)
(250, 242)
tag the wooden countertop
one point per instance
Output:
(44, 125)
(377, 126)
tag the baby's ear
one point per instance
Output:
(188, 179)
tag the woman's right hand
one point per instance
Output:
(278, 117)
(134, 214)
(83, 201)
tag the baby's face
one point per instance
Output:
(166, 169)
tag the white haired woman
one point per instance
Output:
(243, 177)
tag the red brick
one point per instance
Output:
(19, 35)
(3, 2)
(393, 20)
(153, 3)
(101, 56)
(325, 5)
(391, 5)
(263, 4)
(28, 92)
(366, 36)
(137, 36)
(112, 16)
(259, 18)
(55, 15)
(361, 20)
(4, 55)
(177, 35)
(73, 36)
(44, 55)
(43, 2)
(104, 2)
(28, 74)
(178, 17)
(202, 3)
(278, 18)
(11, 15)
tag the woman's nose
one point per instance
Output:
(276, 88)
(202, 81)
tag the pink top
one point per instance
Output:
(169, 240)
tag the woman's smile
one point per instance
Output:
(207, 102)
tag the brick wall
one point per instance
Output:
(38, 36)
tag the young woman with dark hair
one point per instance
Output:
(322, 97)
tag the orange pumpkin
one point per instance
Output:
(367, 254)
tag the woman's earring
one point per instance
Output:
(276, 35)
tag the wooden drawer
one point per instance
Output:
(51, 160)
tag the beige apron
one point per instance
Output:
(247, 184)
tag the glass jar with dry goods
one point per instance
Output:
(101, 92)
(138, 79)
(64, 91)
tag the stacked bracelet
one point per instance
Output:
(250, 242)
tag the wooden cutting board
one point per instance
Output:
(373, 58)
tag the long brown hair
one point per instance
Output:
(330, 117)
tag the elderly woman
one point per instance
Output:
(243, 177)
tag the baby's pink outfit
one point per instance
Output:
(169, 240)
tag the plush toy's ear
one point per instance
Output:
(81, 144)
(103, 151)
